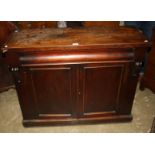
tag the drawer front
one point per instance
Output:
(73, 57)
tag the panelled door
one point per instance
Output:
(48, 92)
(103, 88)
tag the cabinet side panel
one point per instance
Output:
(128, 89)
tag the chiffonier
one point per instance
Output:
(75, 75)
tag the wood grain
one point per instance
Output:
(57, 38)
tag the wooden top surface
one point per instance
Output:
(55, 38)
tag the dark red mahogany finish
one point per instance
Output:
(70, 76)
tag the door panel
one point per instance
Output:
(53, 91)
(101, 88)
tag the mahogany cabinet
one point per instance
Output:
(70, 76)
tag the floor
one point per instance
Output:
(143, 112)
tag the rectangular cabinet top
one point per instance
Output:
(73, 38)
